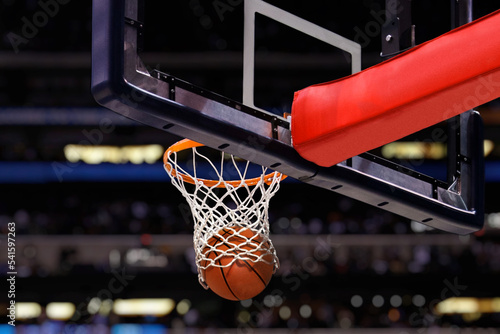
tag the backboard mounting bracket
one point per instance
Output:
(260, 7)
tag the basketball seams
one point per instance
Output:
(237, 238)
(249, 266)
(216, 243)
(252, 268)
(226, 282)
(228, 242)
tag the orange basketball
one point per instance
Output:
(243, 279)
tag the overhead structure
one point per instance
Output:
(415, 81)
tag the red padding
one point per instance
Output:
(432, 82)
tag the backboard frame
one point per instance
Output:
(122, 83)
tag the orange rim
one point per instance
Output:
(187, 144)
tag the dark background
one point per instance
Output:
(68, 220)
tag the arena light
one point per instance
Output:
(106, 307)
(493, 220)
(394, 315)
(94, 305)
(488, 147)
(414, 150)
(285, 312)
(305, 311)
(60, 311)
(423, 150)
(143, 307)
(458, 305)
(28, 311)
(495, 305)
(244, 316)
(465, 305)
(94, 154)
(183, 306)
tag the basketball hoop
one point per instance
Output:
(224, 195)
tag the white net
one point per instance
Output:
(230, 207)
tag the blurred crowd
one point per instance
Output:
(343, 264)
(158, 209)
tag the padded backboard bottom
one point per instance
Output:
(430, 83)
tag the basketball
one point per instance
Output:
(244, 278)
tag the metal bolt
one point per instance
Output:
(388, 38)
